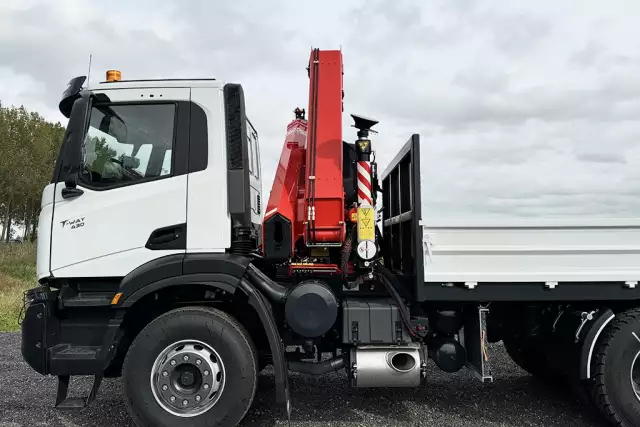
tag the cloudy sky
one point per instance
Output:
(524, 108)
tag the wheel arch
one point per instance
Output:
(218, 270)
(591, 339)
(211, 281)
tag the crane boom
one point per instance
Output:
(324, 190)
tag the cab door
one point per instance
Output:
(131, 205)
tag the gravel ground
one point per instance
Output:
(514, 399)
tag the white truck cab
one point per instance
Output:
(154, 177)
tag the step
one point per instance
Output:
(65, 402)
(66, 351)
(65, 359)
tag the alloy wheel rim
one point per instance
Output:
(187, 378)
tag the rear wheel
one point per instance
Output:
(531, 355)
(616, 368)
(193, 366)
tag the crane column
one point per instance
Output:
(367, 248)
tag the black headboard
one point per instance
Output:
(401, 215)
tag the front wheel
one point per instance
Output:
(193, 366)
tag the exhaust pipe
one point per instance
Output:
(320, 368)
(272, 290)
(401, 361)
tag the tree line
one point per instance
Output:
(29, 145)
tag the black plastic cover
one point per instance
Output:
(237, 156)
(311, 309)
(372, 321)
(277, 238)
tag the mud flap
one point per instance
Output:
(265, 312)
(474, 339)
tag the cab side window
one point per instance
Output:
(126, 144)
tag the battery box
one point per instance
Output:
(372, 321)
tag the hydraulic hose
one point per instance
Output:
(388, 274)
(346, 251)
(319, 368)
(272, 290)
(391, 283)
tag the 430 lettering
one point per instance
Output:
(73, 223)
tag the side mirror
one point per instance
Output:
(74, 138)
(70, 94)
(129, 162)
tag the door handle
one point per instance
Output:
(172, 237)
(71, 192)
(163, 238)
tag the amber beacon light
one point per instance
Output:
(114, 76)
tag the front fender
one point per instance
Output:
(218, 270)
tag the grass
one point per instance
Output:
(17, 274)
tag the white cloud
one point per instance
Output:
(523, 108)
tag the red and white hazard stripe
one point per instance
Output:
(364, 183)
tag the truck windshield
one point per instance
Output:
(127, 143)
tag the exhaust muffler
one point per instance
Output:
(387, 366)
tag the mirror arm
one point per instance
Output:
(71, 181)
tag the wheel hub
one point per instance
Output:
(187, 378)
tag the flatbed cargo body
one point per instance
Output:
(532, 251)
(503, 259)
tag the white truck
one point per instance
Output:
(158, 262)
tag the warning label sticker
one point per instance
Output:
(366, 224)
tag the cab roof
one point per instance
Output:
(158, 83)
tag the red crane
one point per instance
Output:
(306, 205)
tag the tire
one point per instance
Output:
(530, 355)
(215, 331)
(612, 389)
